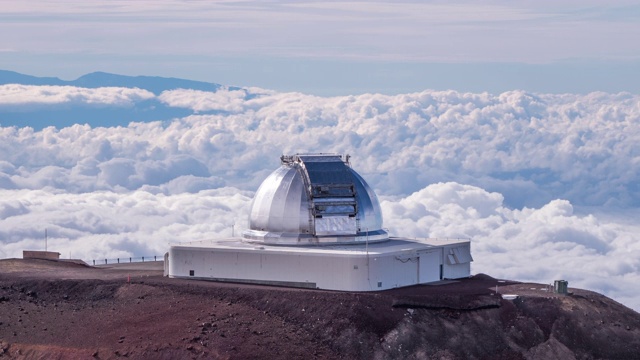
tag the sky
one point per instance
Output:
(334, 47)
(513, 124)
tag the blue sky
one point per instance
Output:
(334, 48)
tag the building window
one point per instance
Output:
(191, 272)
(379, 283)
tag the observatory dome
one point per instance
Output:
(315, 199)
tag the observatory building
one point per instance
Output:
(316, 223)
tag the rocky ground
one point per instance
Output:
(57, 310)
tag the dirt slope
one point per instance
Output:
(51, 310)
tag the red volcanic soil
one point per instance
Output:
(58, 310)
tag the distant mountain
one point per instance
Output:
(39, 116)
(155, 84)
(12, 77)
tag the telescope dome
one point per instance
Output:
(315, 199)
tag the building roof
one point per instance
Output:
(392, 245)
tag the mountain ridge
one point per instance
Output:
(97, 79)
(66, 310)
(40, 117)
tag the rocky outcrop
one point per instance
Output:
(109, 313)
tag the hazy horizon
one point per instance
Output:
(335, 48)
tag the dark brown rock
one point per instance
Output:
(458, 320)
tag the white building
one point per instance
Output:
(315, 223)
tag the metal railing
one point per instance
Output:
(128, 260)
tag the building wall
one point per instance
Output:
(456, 271)
(349, 272)
(32, 254)
(391, 271)
(456, 261)
(336, 272)
(429, 265)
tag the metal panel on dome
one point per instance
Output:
(336, 225)
(328, 176)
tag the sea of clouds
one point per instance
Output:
(546, 186)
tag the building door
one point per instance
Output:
(428, 267)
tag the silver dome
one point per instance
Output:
(315, 199)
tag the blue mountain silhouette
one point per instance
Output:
(155, 84)
(150, 110)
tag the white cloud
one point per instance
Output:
(514, 172)
(531, 148)
(541, 245)
(199, 101)
(110, 225)
(20, 96)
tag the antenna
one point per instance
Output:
(45, 239)
(367, 249)
(368, 267)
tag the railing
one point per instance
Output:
(442, 239)
(128, 260)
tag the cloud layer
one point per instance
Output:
(546, 186)
(532, 148)
(531, 244)
(16, 96)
